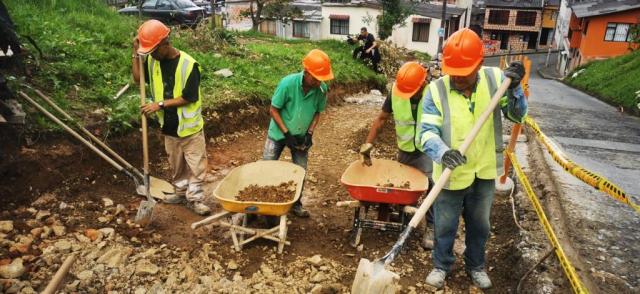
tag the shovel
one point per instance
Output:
(372, 277)
(145, 211)
(158, 188)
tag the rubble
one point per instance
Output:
(6, 226)
(13, 270)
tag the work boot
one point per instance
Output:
(299, 211)
(198, 207)
(427, 238)
(480, 279)
(436, 278)
(175, 199)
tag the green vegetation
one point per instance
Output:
(614, 80)
(87, 48)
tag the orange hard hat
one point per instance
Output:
(462, 53)
(411, 76)
(150, 34)
(317, 63)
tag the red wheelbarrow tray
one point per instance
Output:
(364, 183)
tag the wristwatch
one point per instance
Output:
(161, 104)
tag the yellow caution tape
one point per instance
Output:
(590, 178)
(569, 270)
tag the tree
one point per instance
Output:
(279, 9)
(634, 37)
(394, 12)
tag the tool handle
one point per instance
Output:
(59, 276)
(70, 131)
(348, 203)
(88, 134)
(444, 177)
(208, 220)
(145, 139)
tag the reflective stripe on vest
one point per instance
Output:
(484, 157)
(405, 124)
(190, 119)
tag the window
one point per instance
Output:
(149, 4)
(164, 5)
(185, 3)
(499, 17)
(339, 27)
(300, 29)
(268, 27)
(420, 32)
(617, 32)
(526, 18)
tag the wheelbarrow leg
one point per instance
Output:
(244, 224)
(356, 231)
(282, 234)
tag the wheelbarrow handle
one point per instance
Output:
(208, 220)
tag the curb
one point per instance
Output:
(545, 76)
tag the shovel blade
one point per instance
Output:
(373, 278)
(144, 216)
(158, 188)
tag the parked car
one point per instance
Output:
(183, 12)
(206, 4)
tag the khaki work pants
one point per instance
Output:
(188, 161)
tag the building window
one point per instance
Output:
(300, 29)
(420, 32)
(268, 27)
(499, 17)
(617, 32)
(339, 27)
(545, 37)
(526, 18)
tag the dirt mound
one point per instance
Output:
(284, 192)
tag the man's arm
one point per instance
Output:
(314, 123)
(275, 114)
(430, 129)
(190, 94)
(377, 125)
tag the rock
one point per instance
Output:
(45, 199)
(188, 274)
(63, 206)
(82, 238)
(315, 260)
(172, 281)
(115, 256)
(318, 277)
(28, 290)
(360, 248)
(63, 246)
(42, 214)
(232, 265)
(85, 275)
(107, 202)
(46, 232)
(156, 289)
(375, 92)
(73, 286)
(13, 270)
(6, 226)
(225, 72)
(145, 267)
(103, 219)
(36, 232)
(120, 209)
(140, 290)
(32, 223)
(59, 230)
(93, 234)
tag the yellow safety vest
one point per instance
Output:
(190, 119)
(484, 156)
(406, 134)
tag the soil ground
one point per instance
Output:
(72, 175)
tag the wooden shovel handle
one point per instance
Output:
(60, 274)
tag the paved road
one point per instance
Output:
(607, 142)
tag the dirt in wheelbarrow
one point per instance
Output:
(91, 212)
(284, 192)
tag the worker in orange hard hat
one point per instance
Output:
(451, 105)
(174, 82)
(295, 111)
(404, 102)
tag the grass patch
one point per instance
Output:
(87, 48)
(614, 80)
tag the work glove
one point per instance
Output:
(308, 141)
(289, 140)
(453, 158)
(515, 71)
(365, 151)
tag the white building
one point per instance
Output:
(420, 31)
(307, 26)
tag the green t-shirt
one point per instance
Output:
(296, 109)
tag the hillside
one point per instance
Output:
(614, 80)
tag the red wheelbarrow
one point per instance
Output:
(385, 182)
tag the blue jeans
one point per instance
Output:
(273, 149)
(474, 203)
